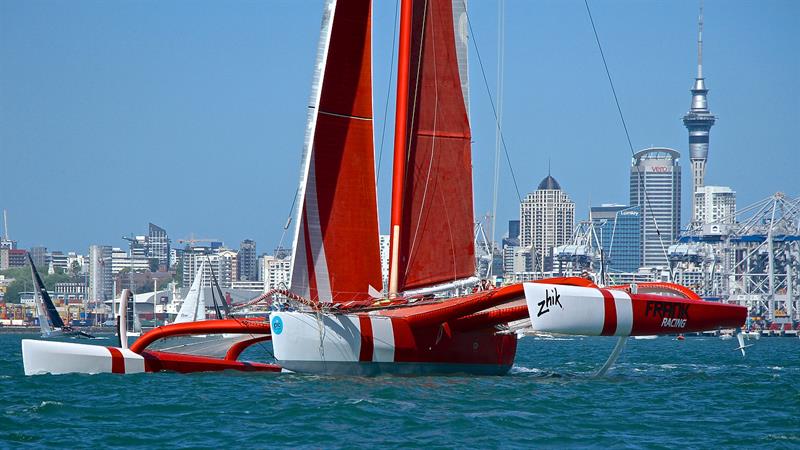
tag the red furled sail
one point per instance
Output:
(432, 215)
(336, 255)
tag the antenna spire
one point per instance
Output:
(700, 42)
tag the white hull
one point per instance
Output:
(301, 345)
(40, 357)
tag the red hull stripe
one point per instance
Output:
(610, 308)
(367, 345)
(117, 360)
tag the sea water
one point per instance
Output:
(697, 393)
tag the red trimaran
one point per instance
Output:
(343, 324)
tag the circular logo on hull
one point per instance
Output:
(277, 325)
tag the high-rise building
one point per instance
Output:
(101, 282)
(158, 246)
(122, 260)
(227, 267)
(619, 232)
(698, 121)
(715, 204)
(219, 260)
(656, 188)
(276, 272)
(247, 261)
(513, 229)
(546, 220)
(16, 257)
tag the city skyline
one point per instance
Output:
(204, 109)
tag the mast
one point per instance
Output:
(400, 142)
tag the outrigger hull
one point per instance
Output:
(50, 357)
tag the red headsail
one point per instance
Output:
(336, 252)
(432, 215)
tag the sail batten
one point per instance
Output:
(336, 253)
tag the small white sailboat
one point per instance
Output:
(193, 308)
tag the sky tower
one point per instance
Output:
(698, 121)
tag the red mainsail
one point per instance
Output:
(432, 215)
(336, 252)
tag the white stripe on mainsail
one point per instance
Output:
(299, 282)
(461, 34)
(315, 237)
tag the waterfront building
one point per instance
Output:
(175, 257)
(227, 267)
(122, 260)
(546, 219)
(69, 291)
(101, 281)
(247, 261)
(4, 258)
(715, 204)
(619, 231)
(59, 262)
(276, 272)
(698, 121)
(138, 247)
(655, 187)
(16, 257)
(513, 230)
(78, 261)
(219, 260)
(40, 257)
(158, 246)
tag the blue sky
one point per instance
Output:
(191, 114)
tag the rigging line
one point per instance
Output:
(388, 92)
(627, 135)
(494, 110)
(501, 6)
